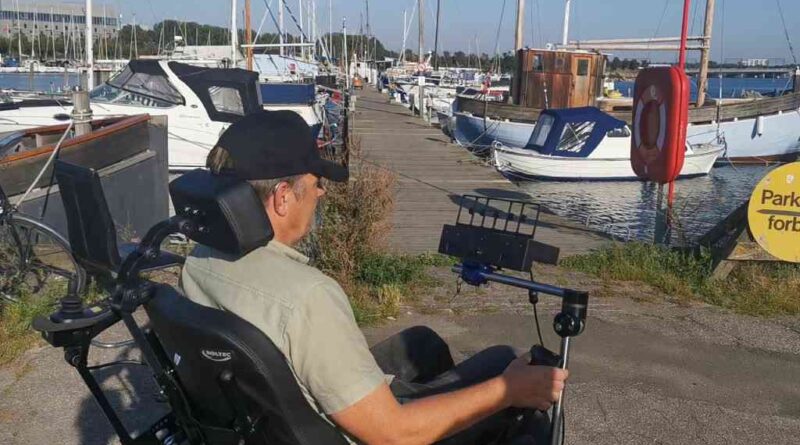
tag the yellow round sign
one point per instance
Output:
(774, 213)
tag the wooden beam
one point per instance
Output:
(702, 82)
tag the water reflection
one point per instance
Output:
(627, 209)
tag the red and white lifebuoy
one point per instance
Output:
(650, 123)
(660, 116)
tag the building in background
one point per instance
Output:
(59, 19)
(752, 63)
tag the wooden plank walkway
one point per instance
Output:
(432, 173)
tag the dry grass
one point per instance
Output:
(350, 245)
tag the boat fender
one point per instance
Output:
(760, 125)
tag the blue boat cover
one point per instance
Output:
(287, 93)
(572, 132)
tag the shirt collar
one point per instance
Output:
(283, 249)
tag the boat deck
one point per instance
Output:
(431, 175)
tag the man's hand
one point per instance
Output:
(379, 419)
(533, 386)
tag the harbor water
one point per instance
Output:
(731, 87)
(48, 83)
(627, 209)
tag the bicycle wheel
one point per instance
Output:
(35, 260)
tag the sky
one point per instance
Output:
(742, 28)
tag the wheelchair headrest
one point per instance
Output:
(226, 211)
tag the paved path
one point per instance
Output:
(642, 372)
(432, 173)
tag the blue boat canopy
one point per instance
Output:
(573, 132)
(287, 93)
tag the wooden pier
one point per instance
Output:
(431, 175)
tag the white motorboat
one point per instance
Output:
(478, 133)
(198, 102)
(586, 144)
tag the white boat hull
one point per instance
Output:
(776, 137)
(530, 164)
(478, 133)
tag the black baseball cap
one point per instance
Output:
(275, 144)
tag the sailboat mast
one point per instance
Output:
(436, 38)
(519, 35)
(421, 30)
(565, 35)
(89, 46)
(405, 35)
(702, 79)
(234, 33)
(345, 54)
(280, 26)
(302, 32)
(19, 34)
(247, 35)
(518, 42)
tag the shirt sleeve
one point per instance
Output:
(328, 352)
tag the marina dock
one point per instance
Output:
(431, 175)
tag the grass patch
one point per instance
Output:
(16, 335)
(763, 289)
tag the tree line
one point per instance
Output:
(134, 41)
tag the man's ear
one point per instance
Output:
(278, 201)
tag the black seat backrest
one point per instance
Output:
(91, 230)
(203, 343)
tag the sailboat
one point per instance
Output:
(758, 130)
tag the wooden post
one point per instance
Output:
(248, 37)
(702, 77)
(518, 39)
(797, 80)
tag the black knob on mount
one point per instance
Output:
(567, 325)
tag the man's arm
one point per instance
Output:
(379, 419)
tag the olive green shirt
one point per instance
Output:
(305, 313)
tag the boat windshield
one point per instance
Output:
(542, 129)
(138, 88)
(574, 136)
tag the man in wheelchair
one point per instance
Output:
(406, 389)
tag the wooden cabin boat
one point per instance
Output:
(129, 153)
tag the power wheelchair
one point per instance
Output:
(224, 380)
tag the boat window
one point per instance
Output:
(583, 67)
(574, 136)
(542, 130)
(537, 63)
(621, 132)
(226, 100)
(109, 94)
(156, 86)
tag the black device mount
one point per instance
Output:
(491, 234)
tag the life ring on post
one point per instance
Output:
(660, 116)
